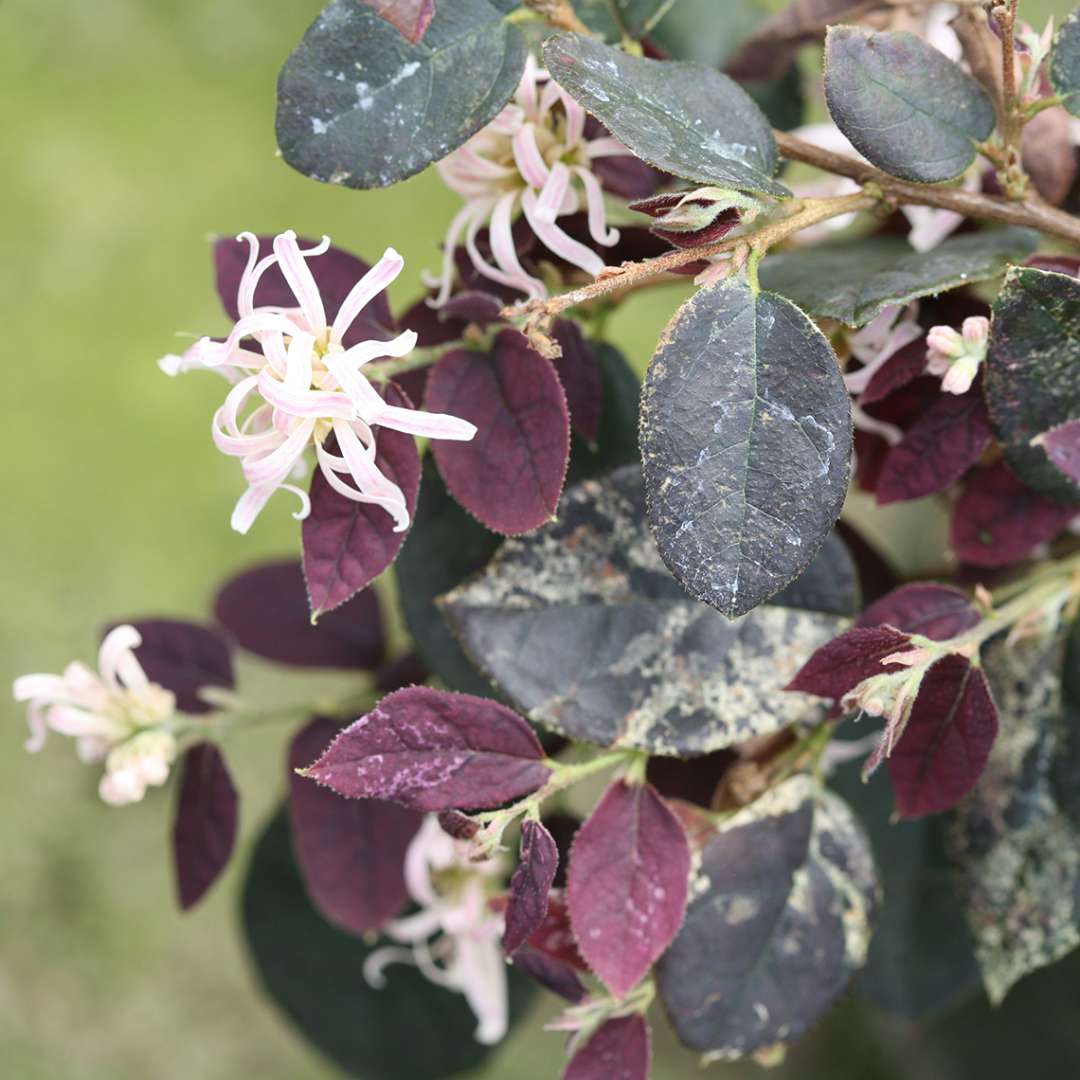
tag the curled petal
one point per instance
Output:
(503, 247)
(557, 241)
(550, 202)
(300, 278)
(116, 658)
(378, 278)
(529, 160)
(594, 196)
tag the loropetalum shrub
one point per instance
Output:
(669, 599)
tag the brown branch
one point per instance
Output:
(1032, 212)
(559, 13)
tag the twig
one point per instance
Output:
(1011, 174)
(1032, 212)
(559, 13)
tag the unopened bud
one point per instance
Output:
(689, 219)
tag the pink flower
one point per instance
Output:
(116, 715)
(879, 340)
(301, 385)
(957, 355)
(466, 955)
(535, 157)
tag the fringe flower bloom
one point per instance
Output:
(452, 893)
(116, 715)
(529, 158)
(301, 384)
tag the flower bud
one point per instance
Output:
(689, 219)
(956, 355)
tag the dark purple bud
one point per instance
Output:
(688, 219)
(527, 902)
(458, 825)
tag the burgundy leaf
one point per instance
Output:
(475, 306)
(628, 883)
(351, 852)
(183, 657)
(204, 830)
(939, 612)
(511, 474)
(946, 743)
(434, 750)
(405, 670)
(555, 936)
(999, 520)
(550, 973)
(410, 18)
(335, 273)
(905, 365)
(579, 373)
(694, 780)
(618, 1050)
(845, 661)
(266, 611)
(527, 902)
(938, 448)
(348, 544)
(876, 575)
(432, 326)
(1058, 264)
(900, 409)
(1062, 446)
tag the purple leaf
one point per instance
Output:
(628, 883)
(348, 544)
(458, 825)
(618, 1050)
(405, 670)
(527, 902)
(410, 18)
(904, 366)
(335, 273)
(434, 750)
(1062, 446)
(266, 611)
(946, 743)
(551, 974)
(351, 852)
(511, 474)
(999, 520)
(938, 448)
(183, 657)
(693, 780)
(579, 373)
(204, 830)
(935, 611)
(844, 662)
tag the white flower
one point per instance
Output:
(534, 156)
(305, 385)
(879, 340)
(116, 715)
(466, 955)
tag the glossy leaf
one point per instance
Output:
(434, 750)
(584, 629)
(183, 657)
(266, 611)
(1062, 446)
(527, 902)
(348, 544)
(359, 105)
(444, 547)
(854, 280)
(351, 852)
(511, 475)
(204, 829)
(783, 906)
(1032, 379)
(746, 443)
(1017, 853)
(939, 612)
(946, 441)
(669, 114)
(903, 105)
(627, 884)
(1065, 63)
(999, 520)
(946, 743)
(313, 972)
(847, 660)
(410, 18)
(618, 1050)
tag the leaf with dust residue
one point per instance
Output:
(782, 906)
(1017, 852)
(583, 627)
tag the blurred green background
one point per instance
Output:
(134, 129)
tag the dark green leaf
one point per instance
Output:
(746, 443)
(691, 31)
(445, 546)
(922, 957)
(1066, 772)
(854, 280)
(1065, 63)
(1017, 853)
(586, 631)
(905, 106)
(686, 119)
(781, 916)
(1032, 380)
(782, 99)
(409, 1030)
(359, 105)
